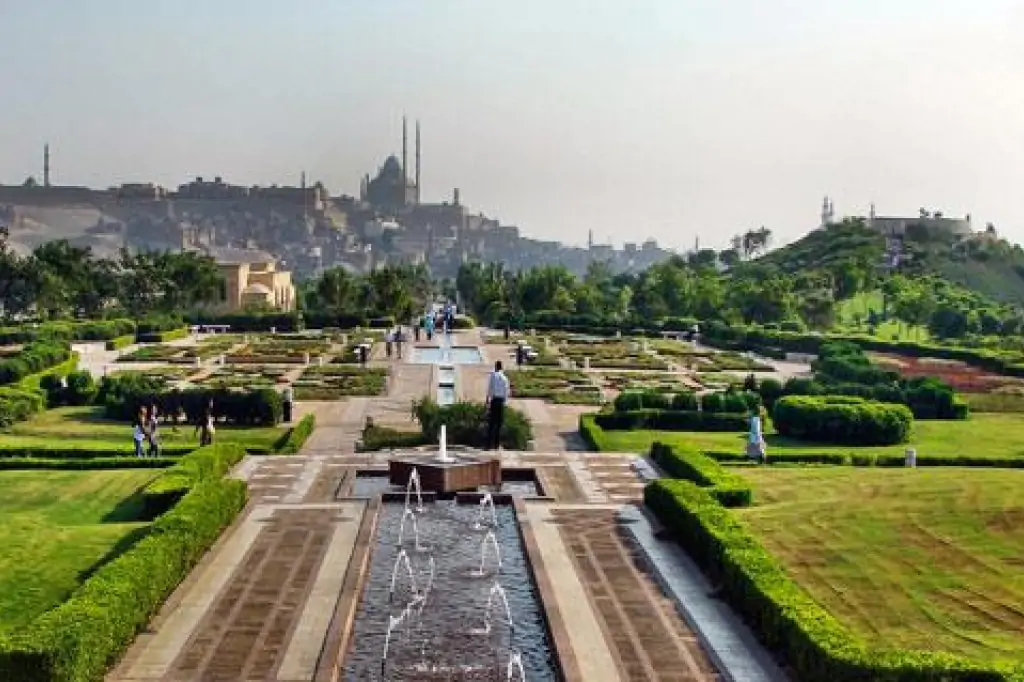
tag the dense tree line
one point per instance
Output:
(399, 291)
(59, 280)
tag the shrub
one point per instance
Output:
(81, 388)
(842, 419)
(297, 436)
(685, 401)
(382, 323)
(78, 639)
(208, 463)
(731, 401)
(120, 342)
(252, 322)
(18, 405)
(671, 420)
(383, 438)
(124, 396)
(162, 337)
(641, 400)
(728, 488)
(34, 357)
(464, 322)
(813, 643)
(467, 424)
(158, 323)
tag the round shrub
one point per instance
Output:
(685, 400)
(770, 390)
(844, 420)
(81, 388)
(641, 400)
(712, 402)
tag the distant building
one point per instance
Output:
(935, 223)
(391, 188)
(252, 280)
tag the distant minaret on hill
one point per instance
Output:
(46, 165)
(417, 161)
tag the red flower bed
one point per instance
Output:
(960, 376)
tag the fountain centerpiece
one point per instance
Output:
(445, 472)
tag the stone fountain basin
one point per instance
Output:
(461, 472)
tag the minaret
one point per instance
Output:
(46, 165)
(417, 161)
(303, 180)
(405, 156)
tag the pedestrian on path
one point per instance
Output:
(399, 338)
(755, 439)
(389, 340)
(287, 397)
(138, 436)
(497, 394)
(205, 427)
(151, 431)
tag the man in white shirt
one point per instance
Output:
(497, 394)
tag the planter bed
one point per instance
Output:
(333, 382)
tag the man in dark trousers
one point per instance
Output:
(497, 394)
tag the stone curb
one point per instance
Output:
(728, 642)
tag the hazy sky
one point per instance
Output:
(665, 118)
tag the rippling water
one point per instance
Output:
(446, 641)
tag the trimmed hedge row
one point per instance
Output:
(845, 420)
(296, 437)
(120, 342)
(83, 464)
(208, 463)
(383, 437)
(33, 358)
(162, 336)
(17, 404)
(123, 397)
(76, 641)
(252, 322)
(466, 424)
(730, 489)
(93, 330)
(786, 618)
(671, 420)
(71, 449)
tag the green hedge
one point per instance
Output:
(82, 464)
(78, 640)
(730, 489)
(383, 438)
(813, 643)
(845, 420)
(672, 420)
(17, 405)
(92, 330)
(123, 396)
(467, 424)
(253, 322)
(464, 322)
(120, 342)
(296, 437)
(205, 464)
(33, 358)
(162, 336)
(84, 449)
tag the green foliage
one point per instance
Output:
(252, 322)
(120, 342)
(76, 641)
(783, 615)
(205, 464)
(34, 357)
(124, 396)
(18, 405)
(842, 419)
(162, 336)
(671, 420)
(730, 489)
(297, 436)
(466, 424)
(641, 400)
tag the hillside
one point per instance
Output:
(985, 265)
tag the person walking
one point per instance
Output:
(287, 400)
(389, 340)
(755, 438)
(139, 436)
(497, 394)
(151, 428)
(399, 338)
(430, 327)
(205, 427)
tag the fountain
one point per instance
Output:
(414, 483)
(486, 502)
(407, 514)
(445, 472)
(496, 591)
(493, 540)
(401, 559)
(515, 664)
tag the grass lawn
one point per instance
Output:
(54, 527)
(983, 435)
(891, 330)
(922, 559)
(88, 424)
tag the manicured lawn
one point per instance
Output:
(922, 559)
(983, 435)
(88, 423)
(891, 330)
(54, 527)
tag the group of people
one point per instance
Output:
(147, 425)
(393, 341)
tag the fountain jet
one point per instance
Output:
(411, 484)
(515, 664)
(407, 514)
(399, 560)
(497, 593)
(492, 541)
(442, 447)
(487, 501)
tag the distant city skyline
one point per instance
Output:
(665, 119)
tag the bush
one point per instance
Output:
(671, 420)
(158, 323)
(641, 400)
(120, 342)
(813, 643)
(208, 463)
(81, 388)
(76, 641)
(770, 390)
(845, 420)
(464, 322)
(253, 322)
(297, 436)
(383, 438)
(34, 357)
(161, 337)
(467, 424)
(685, 401)
(82, 449)
(124, 396)
(728, 488)
(18, 405)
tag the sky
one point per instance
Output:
(673, 119)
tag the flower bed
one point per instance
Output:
(959, 375)
(558, 385)
(334, 381)
(248, 377)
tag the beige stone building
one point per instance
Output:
(252, 280)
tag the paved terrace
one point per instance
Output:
(275, 598)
